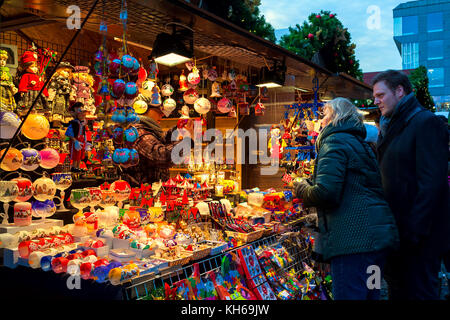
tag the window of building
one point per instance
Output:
(409, 25)
(435, 22)
(435, 49)
(436, 77)
(410, 55)
(398, 26)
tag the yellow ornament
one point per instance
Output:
(36, 127)
(140, 106)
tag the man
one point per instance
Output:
(412, 153)
(154, 148)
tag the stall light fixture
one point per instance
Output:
(170, 49)
(272, 78)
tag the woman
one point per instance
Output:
(356, 226)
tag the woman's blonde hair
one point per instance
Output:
(344, 109)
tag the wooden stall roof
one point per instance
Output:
(212, 36)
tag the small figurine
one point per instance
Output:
(276, 144)
(7, 88)
(59, 91)
(82, 89)
(77, 134)
(30, 85)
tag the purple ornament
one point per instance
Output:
(114, 67)
(118, 88)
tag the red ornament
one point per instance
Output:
(331, 15)
(318, 16)
(351, 61)
(310, 36)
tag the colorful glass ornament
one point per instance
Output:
(202, 105)
(168, 106)
(183, 82)
(215, 90)
(166, 90)
(49, 158)
(9, 122)
(140, 106)
(224, 105)
(194, 76)
(25, 189)
(36, 127)
(190, 96)
(12, 161)
(44, 189)
(31, 159)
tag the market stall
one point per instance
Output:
(213, 230)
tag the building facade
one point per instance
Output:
(422, 36)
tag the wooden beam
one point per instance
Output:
(20, 22)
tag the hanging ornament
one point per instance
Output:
(194, 76)
(168, 106)
(147, 87)
(153, 71)
(131, 90)
(183, 82)
(202, 105)
(212, 74)
(36, 127)
(190, 65)
(190, 96)
(25, 189)
(224, 105)
(215, 90)
(259, 109)
(118, 89)
(167, 90)
(49, 158)
(12, 161)
(232, 75)
(31, 159)
(156, 97)
(44, 189)
(9, 122)
(114, 67)
(140, 106)
(232, 113)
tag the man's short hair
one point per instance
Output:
(393, 79)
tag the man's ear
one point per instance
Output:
(400, 92)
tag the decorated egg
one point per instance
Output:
(31, 159)
(9, 122)
(36, 127)
(118, 88)
(224, 105)
(134, 155)
(25, 189)
(168, 106)
(136, 64)
(127, 61)
(114, 67)
(140, 106)
(121, 189)
(202, 105)
(118, 134)
(12, 161)
(167, 90)
(131, 90)
(49, 158)
(190, 96)
(44, 189)
(194, 77)
(131, 134)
